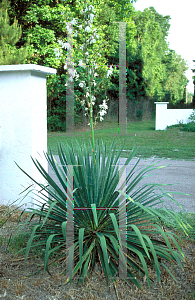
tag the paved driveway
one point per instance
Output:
(182, 172)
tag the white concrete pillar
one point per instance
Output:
(161, 115)
(23, 128)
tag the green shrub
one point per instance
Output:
(139, 114)
(191, 125)
(192, 117)
(180, 125)
(55, 124)
(188, 127)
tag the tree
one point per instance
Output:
(9, 36)
(151, 32)
(163, 69)
(176, 80)
(193, 77)
(44, 21)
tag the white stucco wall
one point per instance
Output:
(167, 117)
(23, 131)
(174, 116)
(161, 115)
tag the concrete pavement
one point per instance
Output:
(182, 172)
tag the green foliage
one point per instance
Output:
(176, 80)
(9, 36)
(18, 243)
(139, 114)
(152, 68)
(185, 216)
(96, 233)
(163, 69)
(189, 127)
(44, 22)
(192, 117)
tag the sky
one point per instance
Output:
(181, 33)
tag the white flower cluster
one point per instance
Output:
(88, 100)
(103, 108)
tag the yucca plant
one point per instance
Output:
(96, 229)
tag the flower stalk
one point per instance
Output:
(91, 117)
(90, 104)
(90, 74)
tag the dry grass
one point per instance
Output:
(16, 283)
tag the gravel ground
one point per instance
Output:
(16, 283)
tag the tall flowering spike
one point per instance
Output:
(89, 99)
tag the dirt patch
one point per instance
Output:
(19, 283)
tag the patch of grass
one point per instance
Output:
(1, 240)
(192, 295)
(17, 243)
(189, 217)
(170, 143)
(184, 127)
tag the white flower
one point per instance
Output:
(91, 7)
(80, 26)
(87, 53)
(86, 108)
(83, 102)
(92, 41)
(92, 102)
(81, 84)
(72, 72)
(73, 21)
(75, 34)
(93, 98)
(91, 16)
(87, 94)
(81, 64)
(101, 119)
(61, 43)
(94, 83)
(77, 76)
(95, 74)
(109, 73)
(102, 113)
(69, 29)
(67, 46)
(96, 66)
(103, 106)
(57, 53)
(71, 78)
(88, 29)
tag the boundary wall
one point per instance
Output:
(167, 117)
